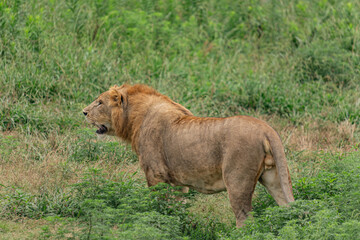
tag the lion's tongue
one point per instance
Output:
(102, 129)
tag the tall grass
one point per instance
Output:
(293, 58)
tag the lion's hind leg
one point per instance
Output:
(240, 187)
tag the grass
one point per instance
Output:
(291, 63)
(22, 229)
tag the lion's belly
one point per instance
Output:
(205, 182)
(194, 159)
(213, 187)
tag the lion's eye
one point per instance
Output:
(100, 102)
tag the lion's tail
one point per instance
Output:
(277, 150)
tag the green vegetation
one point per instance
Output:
(293, 63)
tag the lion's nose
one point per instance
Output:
(85, 113)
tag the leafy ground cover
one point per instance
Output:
(292, 63)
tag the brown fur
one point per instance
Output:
(207, 154)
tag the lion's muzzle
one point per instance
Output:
(102, 129)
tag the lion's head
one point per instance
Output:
(100, 112)
(120, 110)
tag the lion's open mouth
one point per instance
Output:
(102, 129)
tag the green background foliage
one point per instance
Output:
(292, 58)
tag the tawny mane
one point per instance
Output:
(132, 105)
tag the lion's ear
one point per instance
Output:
(116, 97)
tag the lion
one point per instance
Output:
(207, 154)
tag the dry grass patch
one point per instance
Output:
(37, 164)
(35, 177)
(21, 229)
(315, 134)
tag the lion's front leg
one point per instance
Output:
(152, 177)
(154, 172)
